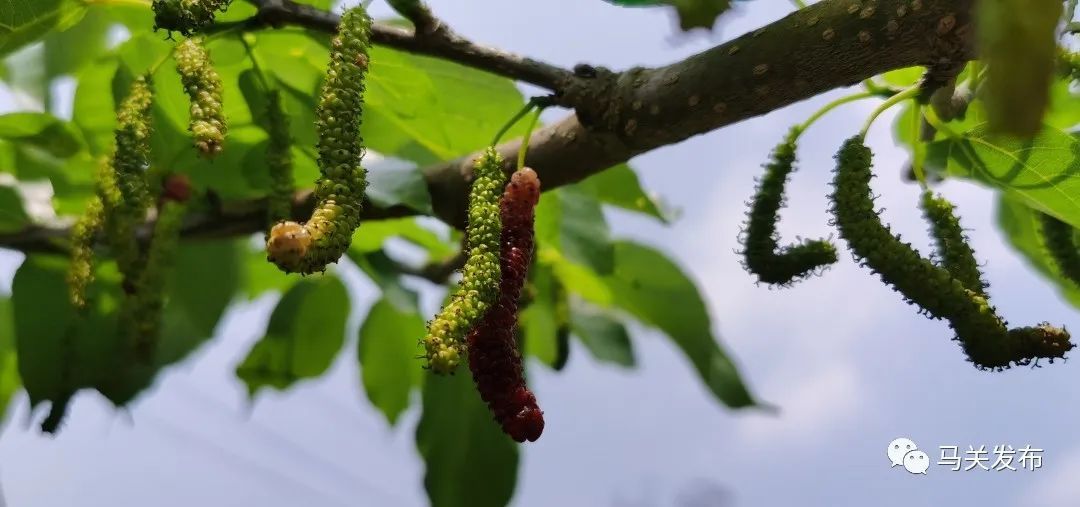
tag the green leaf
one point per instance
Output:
(306, 331)
(1017, 40)
(1041, 171)
(261, 275)
(27, 75)
(39, 336)
(43, 131)
(699, 13)
(388, 352)
(1064, 113)
(23, 22)
(382, 270)
(61, 352)
(203, 281)
(9, 367)
(571, 221)
(1021, 226)
(692, 13)
(67, 51)
(372, 234)
(72, 179)
(653, 289)
(425, 110)
(619, 186)
(416, 108)
(604, 336)
(390, 186)
(538, 320)
(577, 278)
(469, 461)
(904, 77)
(12, 214)
(93, 111)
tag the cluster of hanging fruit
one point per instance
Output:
(479, 321)
(951, 288)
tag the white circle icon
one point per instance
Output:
(916, 462)
(898, 448)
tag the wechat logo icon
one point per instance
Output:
(903, 452)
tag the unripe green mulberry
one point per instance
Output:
(186, 16)
(480, 276)
(83, 236)
(309, 247)
(956, 254)
(149, 299)
(122, 182)
(762, 254)
(279, 160)
(1060, 242)
(203, 87)
(980, 331)
(132, 156)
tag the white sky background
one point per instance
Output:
(850, 364)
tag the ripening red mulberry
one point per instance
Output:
(493, 355)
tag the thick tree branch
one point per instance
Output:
(831, 44)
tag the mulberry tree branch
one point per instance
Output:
(618, 115)
(434, 38)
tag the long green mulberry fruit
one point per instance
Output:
(762, 255)
(980, 331)
(309, 247)
(956, 254)
(146, 304)
(480, 277)
(83, 236)
(122, 182)
(132, 155)
(203, 87)
(1059, 240)
(279, 160)
(186, 16)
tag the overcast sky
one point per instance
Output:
(851, 366)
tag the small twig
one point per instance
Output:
(419, 13)
(237, 218)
